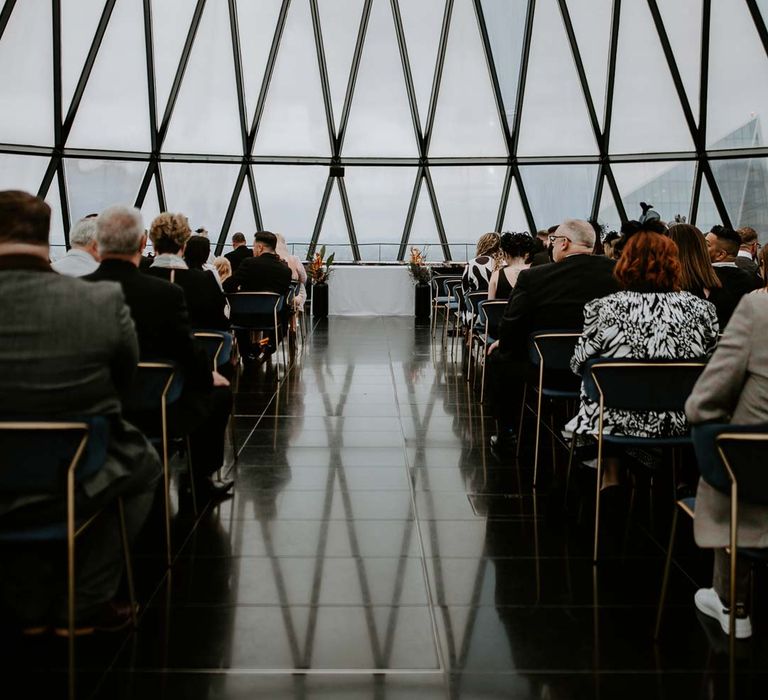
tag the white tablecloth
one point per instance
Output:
(370, 290)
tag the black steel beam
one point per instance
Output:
(409, 86)
(611, 81)
(151, 82)
(410, 214)
(437, 215)
(521, 82)
(324, 81)
(438, 75)
(349, 220)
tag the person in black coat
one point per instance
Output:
(723, 245)
(159, 312)
(545, 297)
(264, 272)
(240, 251)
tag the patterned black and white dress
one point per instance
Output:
(477, 274)
(642, 326)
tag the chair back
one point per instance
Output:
(255, 310)
(449, 284)
(552, 348)
(36, 455)
(492, 310)
(472, 301)
(641, 385)
(217, 344)
(154, 382)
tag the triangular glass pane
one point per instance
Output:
(94, 185)
(339, 23)
(555, 119)
(379, 199)
(514, 215)
(78, 26)
(243, 220)
(559, 192)
(505, 23)
(707, 215)
(22, 172)
(26, 76)
(468, 197)
(743, 184)
(114, 112)
(682, 20)
(380, 122)
(667, 185)
(591, 20)
(466, 115)
(201, 191)
(333, 232)
(289, 199)
(424, 234)
(205, 118)
(53, 199)
(171, 20)
(294, 123)
(422, 24)
(737, 64)
(642, 78)
(257, 22)
(608, 213)
(150, 208)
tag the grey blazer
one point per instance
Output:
(733, 388)
(68, 348)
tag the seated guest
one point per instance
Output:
(610, 240)
(544, 255)
(240, 251)
(298, 271)
(516, 247)
(697, 275)
(197, 252)
(732, 389)
(69, 350)
(723, 245)
(745, 259)
(544, 297)
(477, 273)
(206, 302)
(264, 272)
(83, 256)
(223, 267)
(649, 319)
(763, 263)
(159, 312)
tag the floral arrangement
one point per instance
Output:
(319, 270)
(417, 267)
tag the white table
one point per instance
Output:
(370, 290)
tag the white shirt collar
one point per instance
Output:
(724, 264)
(170, 261)
(745, 254)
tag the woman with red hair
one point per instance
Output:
(650, 318)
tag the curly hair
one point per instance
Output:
(649, 262)
(487, 244)
(516, 245)
(169, 232)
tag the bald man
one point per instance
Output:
(545, 297)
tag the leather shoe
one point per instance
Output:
(503, 443)
(207, 489)
(107, 617)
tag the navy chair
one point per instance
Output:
(471, 304)
(731, 459)
(156, 387)
(636, 385)
(54, 457)
(259, 311)
(490, 313)
(549, 353)
(441, 297)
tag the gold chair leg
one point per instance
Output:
(665, 579)
(71, 583)
(597, 493)
(571, 450)
(538, 436)
(127, 560)
(192, 487)
(520, 424)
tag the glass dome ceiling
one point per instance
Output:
(449, 117)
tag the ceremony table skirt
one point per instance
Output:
(370, 290)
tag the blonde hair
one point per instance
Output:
(223, 267)
(488, 244)
(169, 232)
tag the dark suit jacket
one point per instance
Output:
(68, 349)
(736, 283)
(205, 300)
(160, 313)
(553, 296)
(747, 264)
(265, 273)
(237, 256)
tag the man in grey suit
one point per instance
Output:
(67, 349)
(732, 389)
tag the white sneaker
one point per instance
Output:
(708, 602)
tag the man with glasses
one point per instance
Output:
(545, 297)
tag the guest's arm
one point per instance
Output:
(238, 277)
(717, 391)
(590, 345)
(493, 284)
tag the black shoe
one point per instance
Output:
(208, 490)
(503, 442)
(107, 617)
